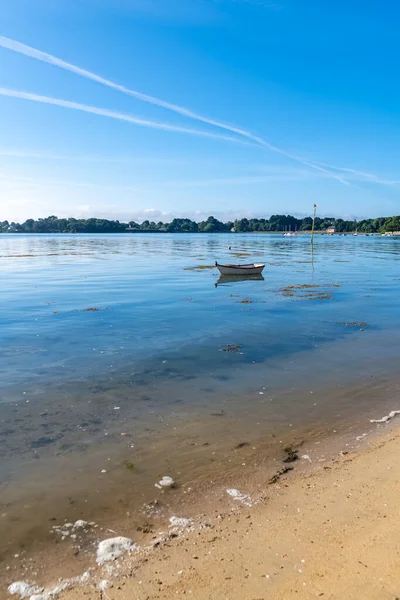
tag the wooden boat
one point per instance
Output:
(250, 269)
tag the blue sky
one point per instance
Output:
(161, 108)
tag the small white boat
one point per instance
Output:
(250, 269)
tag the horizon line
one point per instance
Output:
(248, 218)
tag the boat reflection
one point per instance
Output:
(225, 279)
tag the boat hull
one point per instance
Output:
(253, 269)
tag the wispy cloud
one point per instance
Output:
(112, 114)
(10, 180)
(151, 159)
(29, 154)
(16, 46)
(285, 175)
(266, 174)
(14, 153)
(296, 175)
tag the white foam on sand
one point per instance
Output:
(113, 548)
(179, 523)
(104, 584)
(25, 590)
(387, 418)
(306, 457)
(236, 495)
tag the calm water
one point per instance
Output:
(151, 356)
(152, 309)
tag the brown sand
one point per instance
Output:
(331, 534)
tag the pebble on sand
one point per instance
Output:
(80, 523)
(165, 482)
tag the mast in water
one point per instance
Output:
(313, 224)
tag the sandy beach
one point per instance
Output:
(199, 321)
(329, 532)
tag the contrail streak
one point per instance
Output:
(15, 46)
(370, 176)
(111, 113)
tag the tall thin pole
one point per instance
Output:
(312, 238)
(313, 223)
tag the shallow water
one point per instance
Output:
(147, 371)
(149, 307)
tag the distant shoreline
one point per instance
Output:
(138, 231)
(273, 224)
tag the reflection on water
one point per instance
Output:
(107, 341)
(226, 279)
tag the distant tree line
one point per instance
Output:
(53, 224)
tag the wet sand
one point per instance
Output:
(114, 475)
(331, 533)
(326, 528)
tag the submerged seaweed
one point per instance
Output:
(230, 348)
(275, 478)
(308, 291)
(291, 454)
(353, 323)
(199, 267)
